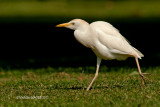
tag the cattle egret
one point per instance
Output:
(105, 41)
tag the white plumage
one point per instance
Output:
(105, 41)
(113, 41)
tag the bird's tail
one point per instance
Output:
(139, 54)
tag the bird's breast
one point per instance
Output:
(84, 38)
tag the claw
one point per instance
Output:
(143, 78)
(146, 73)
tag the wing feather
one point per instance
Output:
(108, 29)
(112, 39)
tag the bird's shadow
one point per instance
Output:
(84, 88)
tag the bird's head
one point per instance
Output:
(74, 24)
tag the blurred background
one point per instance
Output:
(29, 38)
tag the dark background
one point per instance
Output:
(42, 45)
(34, 41)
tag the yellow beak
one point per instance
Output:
(63, 25)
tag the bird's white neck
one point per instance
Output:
(82, 35)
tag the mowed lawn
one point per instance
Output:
(66, 86)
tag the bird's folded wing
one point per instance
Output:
(111, 38)
(107, 28)
(115, 44)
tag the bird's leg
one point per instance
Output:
(96, 74)
(140, 73)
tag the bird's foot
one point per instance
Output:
(145, 78)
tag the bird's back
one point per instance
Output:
(109, 36)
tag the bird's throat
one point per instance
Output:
(82, 37)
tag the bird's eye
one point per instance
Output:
(73, 23)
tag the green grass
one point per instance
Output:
(67, 87)
(81, 9)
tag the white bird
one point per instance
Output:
(105, 41)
